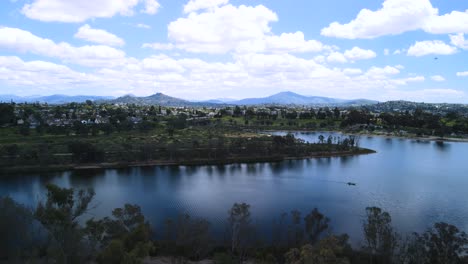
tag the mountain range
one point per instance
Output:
(53, 99)
(282, 98)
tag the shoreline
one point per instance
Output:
(382, 134)
(200, 162)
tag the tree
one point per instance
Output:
(321, 139)
(192, 237)
(7, 114)
(85, 152)
(59, 215)
(296, 232)
(240, 229)
(379, 236)
(315, 224)
(122, 238)
(446, 244)
(328, 251)
(19, 242)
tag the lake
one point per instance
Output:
(419, 183)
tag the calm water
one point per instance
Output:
(419, 183)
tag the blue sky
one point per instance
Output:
(200, 49)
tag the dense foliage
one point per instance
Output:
(56, 232)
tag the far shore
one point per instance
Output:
(198, 162)
(377, 134)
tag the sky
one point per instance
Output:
(413, 50)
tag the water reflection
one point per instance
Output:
(417, 182)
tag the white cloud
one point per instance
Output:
(151, 7)
(82, 10)
(41, 74)
(284, 43)
(351, 55)
(386, 52)
(357, 53)
(158, 46)
(337, 57)
(99, 36)
(246, 75)
(399, 16)
(459, 41)
(195, 5)
(352, 71)
(222, 29)
(437, 78)
(379, 72)
(462, 74)
(89, 55)
(436, 47)
(141, 25)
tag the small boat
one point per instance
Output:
(351, 184)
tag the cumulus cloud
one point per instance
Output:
(437, 78)
(357, 53)
(459, 41)
(195, 5)
(89, 55)
(41, 74)
(246, 75)
(222, 29)
(99, 36)
(82, 10)
(151, 7)
(352, 71)
(337, 57)
(351, 55)
(284, 43)
(428, 47)
(239, 29)
(462, 74)
(399, 16)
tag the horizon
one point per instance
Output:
(201, 50)
(225, 100)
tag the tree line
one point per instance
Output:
(59, 230)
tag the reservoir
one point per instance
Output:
(417, 182)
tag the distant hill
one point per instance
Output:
(158, 99)
(290, 98)
(283, 98)
(53, 99)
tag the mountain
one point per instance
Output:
(158, 99)
(283, 98)
(290, 98)
(220, 101)
(52, 99)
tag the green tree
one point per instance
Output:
(379, 236)
(7, 114)
(20, 242)
(122, 238)
(240, 229)
(59, 215)
(315, 224)
(446, 244)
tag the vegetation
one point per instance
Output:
(56, 232)
(119, 136)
